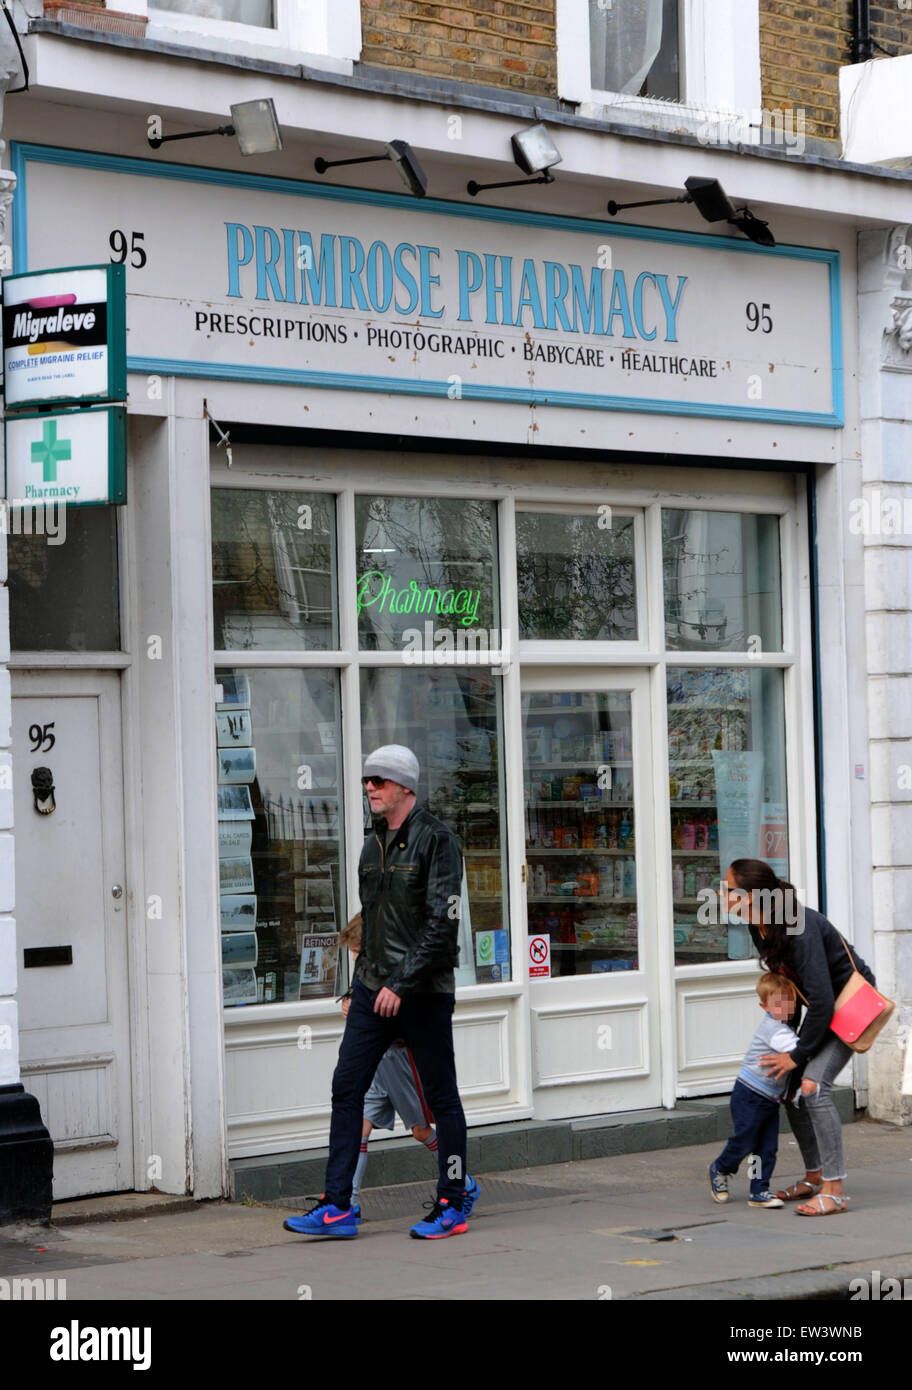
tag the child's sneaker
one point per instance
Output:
(444, 1220)
(324, 1220)
(764, 1199)
(718, 1183)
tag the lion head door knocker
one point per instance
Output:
(43, 790)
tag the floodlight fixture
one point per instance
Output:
(253, 122)
(711, 201)
(402, 156)
(534, 152)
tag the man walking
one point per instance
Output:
(410, 877)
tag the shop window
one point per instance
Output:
(63, 579)
(722, 585)
(257, 12)
(580, 831)
(727, 791)
(427, 575)
(273, 570)
(452, 721)
(576, 575)
(633, 48)
(281, 877)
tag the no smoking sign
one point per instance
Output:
(539, 957)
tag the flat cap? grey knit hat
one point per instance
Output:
(395, 762)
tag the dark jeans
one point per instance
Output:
(756, 1121)
(425, 1021)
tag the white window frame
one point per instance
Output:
(325, 32)
(719, 60)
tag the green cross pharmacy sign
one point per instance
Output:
(73, 456)
(49, 449)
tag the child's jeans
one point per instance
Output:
(756, 1122)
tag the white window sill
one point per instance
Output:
(269, 51)
(649, 113)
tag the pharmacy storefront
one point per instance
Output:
(603, 661)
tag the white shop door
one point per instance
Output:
(71, 901)
(590, 891)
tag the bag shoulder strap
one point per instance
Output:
(851, 962)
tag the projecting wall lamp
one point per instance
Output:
(709, 198)
(253, 122)
(535, 153)
(402, 156)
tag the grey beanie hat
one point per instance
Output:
(394, 761)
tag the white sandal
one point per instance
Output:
(791, 1194)
(840, 1205)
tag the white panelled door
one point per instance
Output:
(72, 923)
(590, 891)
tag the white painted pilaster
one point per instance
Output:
(882, 516)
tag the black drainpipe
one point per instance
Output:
(862, 43)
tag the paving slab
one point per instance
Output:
(640, 1226)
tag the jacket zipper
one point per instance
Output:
(380, 899)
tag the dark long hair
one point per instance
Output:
(780, 907)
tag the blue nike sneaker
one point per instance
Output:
(443, 1221)
(472, 1194)
(324, 1219)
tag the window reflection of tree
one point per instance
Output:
(693, 621)
(439, 542)
(258, 555)
(572, 585)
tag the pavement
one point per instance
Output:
(634, 1227)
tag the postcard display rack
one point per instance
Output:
(580, 834)
(277, 860)
(452, 724)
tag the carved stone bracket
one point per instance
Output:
(897, 337)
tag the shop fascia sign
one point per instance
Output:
(64, 352)
(290, 282)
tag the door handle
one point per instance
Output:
(116, 891)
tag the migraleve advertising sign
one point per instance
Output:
(251, 278)
(63, 335)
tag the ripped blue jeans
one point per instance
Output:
(815, 1120)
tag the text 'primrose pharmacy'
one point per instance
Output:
(342, 274)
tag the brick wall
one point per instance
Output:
(493, 42)
(803, 46)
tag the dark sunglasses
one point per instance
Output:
(378, 782)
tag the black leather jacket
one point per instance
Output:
(410, 894)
